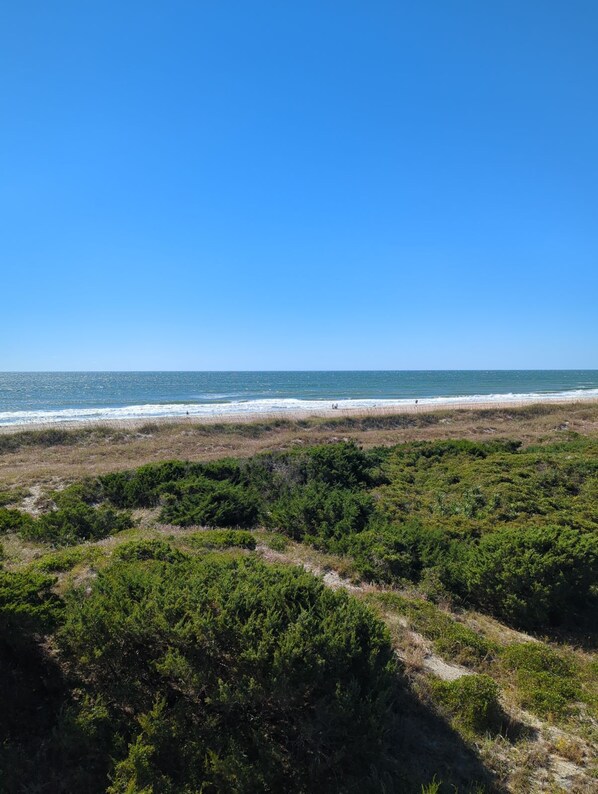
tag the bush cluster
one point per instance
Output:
(532, 576)
(472, 703)
(75, 523)
(507, 530)
(321, 514)
(212, 503)
(14, 520)
(147, 550)
(231, 675)
(27, 606)
(546, 680)
(66, 559)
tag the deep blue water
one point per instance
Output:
(48, 397)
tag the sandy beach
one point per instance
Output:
(327, 411)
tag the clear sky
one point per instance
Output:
(224, 184)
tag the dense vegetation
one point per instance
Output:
(195, 667)
(510, 531)
(212, 674)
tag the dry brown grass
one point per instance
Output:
(52, 458)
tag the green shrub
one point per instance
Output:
(59, 561)
(222, 539)
(341, 465)
(14, 520)
(459, 642)
(203, 502)
(318, 513)
(70, 525)
(231, 675)
(66, 559)
(473, 487)
(451, 639)
(148, 550)
(472, 703)
(546, 681)
(141, 487)
(225, 469)
(27, 606)
(277, 541)
(89, 491)
(532, 576)
(390, 553)
(12, 496)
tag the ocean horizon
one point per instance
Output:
(56, 397)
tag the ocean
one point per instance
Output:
(54, 397)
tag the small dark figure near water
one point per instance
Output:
(416, 402)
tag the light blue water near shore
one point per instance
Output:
(52, 397)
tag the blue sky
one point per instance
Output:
(298, 185)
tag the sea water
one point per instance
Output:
(53, 397)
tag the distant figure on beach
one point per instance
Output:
(416, 402)
(334, 406)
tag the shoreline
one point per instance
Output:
(325, 413)
(49, 457)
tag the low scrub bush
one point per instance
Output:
(70, 525)
(472, 703)
(89, 491)
(276, 541)
(472, 487)
(14, 521)
(317, 513)
(451, 639)
(388, 553)
(342, 465)
(148, 550)
(142, 487)
(547, 682)
(532, 576)
(12, 496)
(455, 641)
(66, 559)
(222, 539)
(27, 607)
(231, 675)
(139, 488)
(213, 503)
